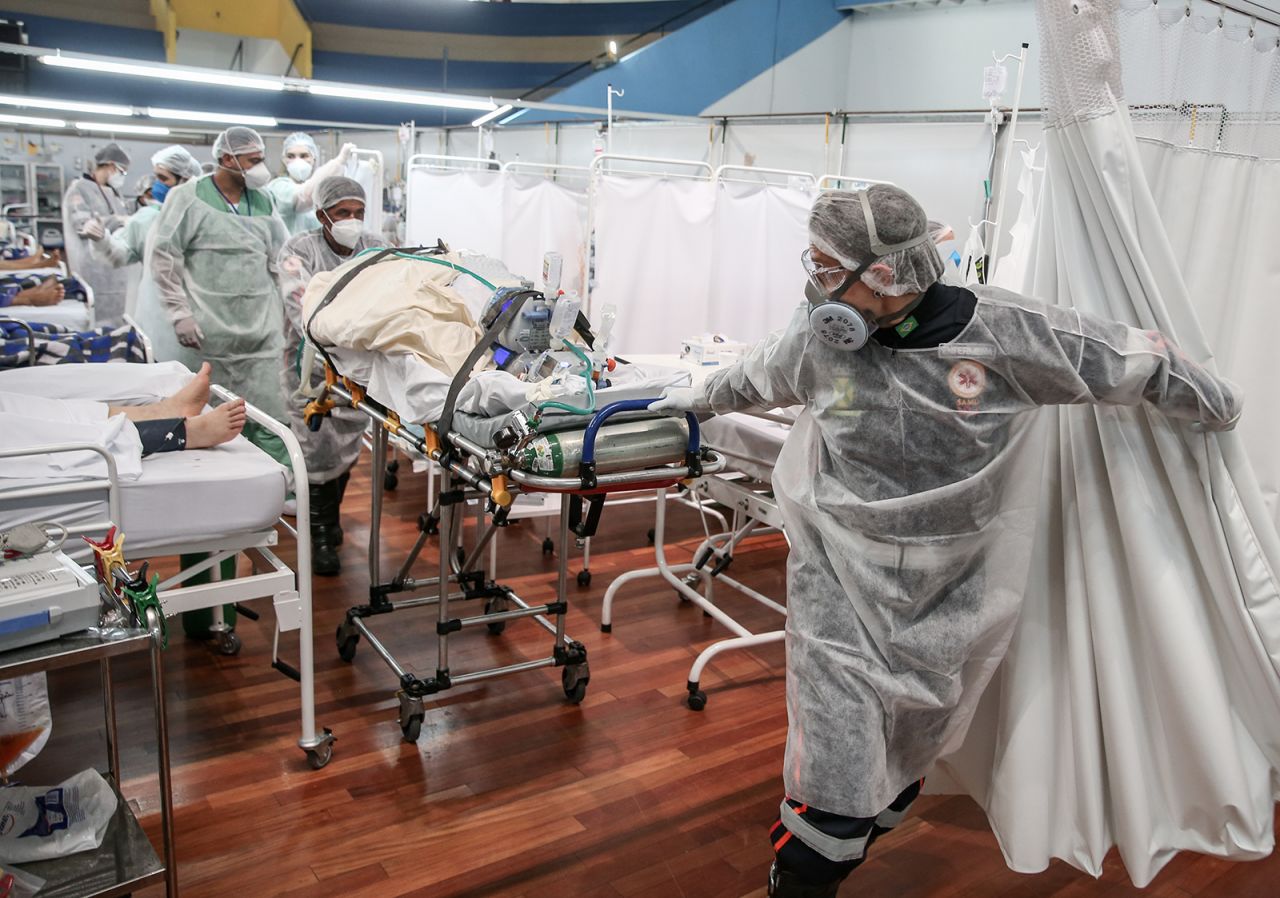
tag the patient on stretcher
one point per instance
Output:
(128, 432)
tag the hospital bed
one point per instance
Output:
(221, 503)
(488, 454)
(749, 442)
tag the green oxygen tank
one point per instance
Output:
(624, 446)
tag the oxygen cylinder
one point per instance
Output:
(623, 446)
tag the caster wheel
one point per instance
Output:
(548, 546)
(584, 578)
(394, 465)
(390, 481)
(433, 527)
(319, 757)
(228, 643)
(574, 678)
(411, 728)
(697, 700)
(347, 641)
(494, 606)
(652, 536)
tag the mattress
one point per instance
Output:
(180, 497)
(751, 444)
(70, 313)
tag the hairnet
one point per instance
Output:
(111, 153)
(838, 227)
(334, 190)
(177, 161)
(238, 141)
(300, 139)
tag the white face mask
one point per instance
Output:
(299, 169)
(257, 177)
(346, 233)
(116, 181)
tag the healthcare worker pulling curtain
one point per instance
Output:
(294, 194)
(333, 449)
(908, 486)
(95, 201)
(213, 259)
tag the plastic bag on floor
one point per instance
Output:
(25, 721)
(38, 823)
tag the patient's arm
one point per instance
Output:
(49, 293)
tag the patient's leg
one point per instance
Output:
(186, 403)
(213, 428)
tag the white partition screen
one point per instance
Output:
(462, 208)
(542, 216)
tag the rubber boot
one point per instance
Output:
(342, 491)
(783, 884)
(324, 519)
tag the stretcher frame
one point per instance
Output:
(755, 511)
(290, 591)
(470, 472)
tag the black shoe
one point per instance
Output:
(337, 523)
(325, 537)
(786, 885)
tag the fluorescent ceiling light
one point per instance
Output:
(414, 98)
(69, 105)
(37, 122)
(515, 115)
(122, 129)
(187, 115)
(166, 72)
(490, 116)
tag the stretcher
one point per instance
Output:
(487, 460)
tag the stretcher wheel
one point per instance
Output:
(319, 757)
(347, 641)
(394, 465)
(411, 728)
(548, 546)
(584, 578)
(390, 481)
(574, 678)
(428, 524)
(495, 606)
(653, 535)
(697, 700)
(228, 643)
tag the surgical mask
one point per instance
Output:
(116, 181)
(346, 233)
(158, 190)
(257, 177)
(299, 169)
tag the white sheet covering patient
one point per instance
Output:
(28, 419)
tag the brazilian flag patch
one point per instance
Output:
(907, 326)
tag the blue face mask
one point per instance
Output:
(158, 190)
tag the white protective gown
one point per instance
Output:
(86, 199)
(908, 486)
(332, 449)
(220, 268)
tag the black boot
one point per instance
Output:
(783, 884)
(337, 521)
(324, 520)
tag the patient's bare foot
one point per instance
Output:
(190, 400)
(49, 293)
(214, 428)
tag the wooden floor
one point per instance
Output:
(510, 791)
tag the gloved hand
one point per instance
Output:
(345, 153)
(678, 400)
(93, 229)
(189, 333)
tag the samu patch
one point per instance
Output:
(967, 380)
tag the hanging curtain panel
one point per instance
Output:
(463, 208)
(542, 216)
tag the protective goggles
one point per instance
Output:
(826, 278)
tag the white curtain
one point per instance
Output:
(1139, 704)
(654, 244)
(760, 231)
(463, 208)
(541, 216)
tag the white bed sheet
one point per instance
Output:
(754, 442)
(70, 313)
(181, 496)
